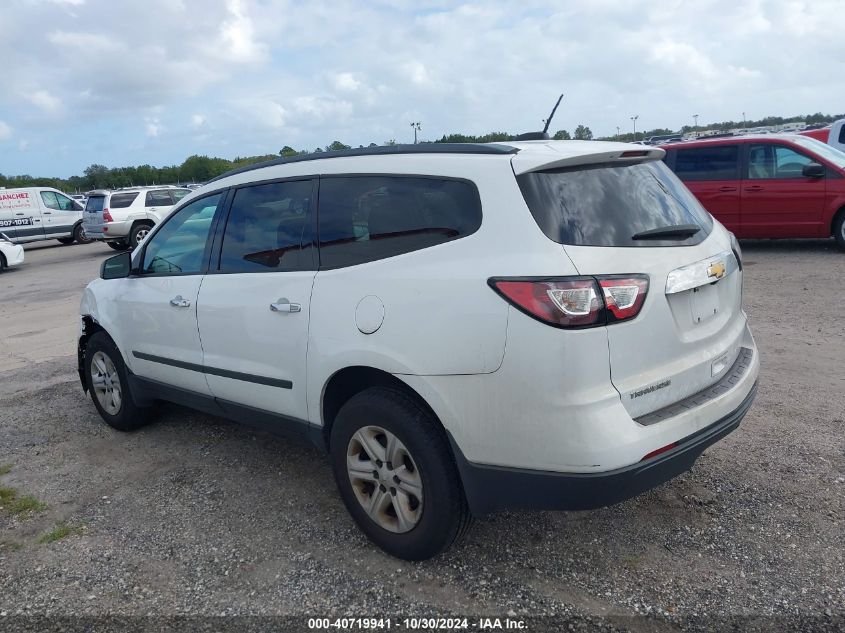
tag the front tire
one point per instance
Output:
(394, 468)
(139, 232)
(65, 240)
(839, 229)
(109, 386)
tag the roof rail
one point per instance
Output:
(382, 150)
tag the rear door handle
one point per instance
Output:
(283, 305)
(754, 188)
(727, 188)
(179, 302)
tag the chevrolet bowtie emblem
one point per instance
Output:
(716, 269)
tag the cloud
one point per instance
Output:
(5, 131)
(346, 82)
(238, 34)
(197, 120)
(152, 127)
(44, 100)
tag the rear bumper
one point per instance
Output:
(108, 231)
(492, 488)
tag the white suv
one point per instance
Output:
(463, 328)
(122, 218)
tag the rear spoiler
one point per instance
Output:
(562, 154)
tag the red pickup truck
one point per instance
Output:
(768, 185)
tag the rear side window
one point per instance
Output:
(708, 163)
(94, 204)
(269, 229)
(366, 218)
(158, 199)
(606, 205)
(122, 200)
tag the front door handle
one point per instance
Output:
(727, 188)
(179, 302)
(283, 305)
(754, 188)
(46, 213)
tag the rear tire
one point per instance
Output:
(2, 262)
(396, 474)
(119, 245)
(139, 232)
(839, 229)
(79, 235)
(108, 385)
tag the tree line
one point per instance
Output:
(198, 169)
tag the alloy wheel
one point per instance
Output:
(106, 383)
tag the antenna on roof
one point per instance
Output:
(549, 120)
(544, 135)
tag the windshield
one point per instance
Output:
(610, 204)
(829, 153)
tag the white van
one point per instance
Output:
(31, 214)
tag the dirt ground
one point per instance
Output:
(199, 516)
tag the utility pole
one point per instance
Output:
(416, 127)
(634, 119)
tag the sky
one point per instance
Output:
(155, 81)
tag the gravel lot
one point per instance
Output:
(196, 515)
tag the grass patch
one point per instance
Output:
(5, 469)
(12, 503)
(59, 532)
(9, 546)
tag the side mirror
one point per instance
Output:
(117, 267)
(813, 170)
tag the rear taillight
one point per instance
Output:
(575, 302)
(107, 216)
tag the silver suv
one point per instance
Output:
(123, 217)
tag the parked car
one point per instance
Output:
(32, 214)
(122, 218)
(776, 186)
(463, 328)
(833, 134)
(10, 254)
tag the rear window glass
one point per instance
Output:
(606, 205)
(366, 218)
(95, 203)
(708, 163)
(122, 200)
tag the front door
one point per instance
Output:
(253, 310)
(157, 310)
(59, 214)
(777, 199)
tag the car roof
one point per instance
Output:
(526, 155)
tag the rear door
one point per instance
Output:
(777, 199)
(687, 335)
(158, 203)
(253, 308)
(712, 173)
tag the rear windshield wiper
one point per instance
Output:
(676, 231)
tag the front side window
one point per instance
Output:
(367, 218)
(180, 245)
(269, 229)
(707, 163)
(160, 198)
(65, 203)
(612, 204)
(769, 161)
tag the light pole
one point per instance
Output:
(617, 132)
(695, 127)
(634, 119)
(744, 124)
(416, 127)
